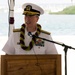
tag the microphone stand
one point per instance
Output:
(62, 44)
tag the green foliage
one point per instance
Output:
(67, 10)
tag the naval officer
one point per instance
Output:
(21, 43)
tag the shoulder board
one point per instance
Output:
(46, 32)
(16, 30)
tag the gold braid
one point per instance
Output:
(22, 33)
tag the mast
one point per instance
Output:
(11, 4)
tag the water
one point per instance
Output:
(56, 24)
(62, 28)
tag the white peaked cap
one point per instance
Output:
(33, 8)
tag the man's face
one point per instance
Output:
(31, 20)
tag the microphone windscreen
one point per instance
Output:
(29, 33)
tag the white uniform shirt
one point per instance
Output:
(13, 47)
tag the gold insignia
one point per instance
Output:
(46, 32)
(16, 30)
(28, 7)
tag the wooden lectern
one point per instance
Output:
(30, 64)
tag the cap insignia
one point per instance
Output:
(28, 7)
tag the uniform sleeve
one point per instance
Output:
(9, 46)
(50, 47)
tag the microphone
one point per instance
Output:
(59, 43)
(30, 34)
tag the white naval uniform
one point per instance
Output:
(13, 47)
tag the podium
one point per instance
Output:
(31, 64)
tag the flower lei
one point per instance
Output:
(32, 42)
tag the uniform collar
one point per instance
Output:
(26, 32)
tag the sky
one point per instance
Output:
(19, 3)
(5, 2)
